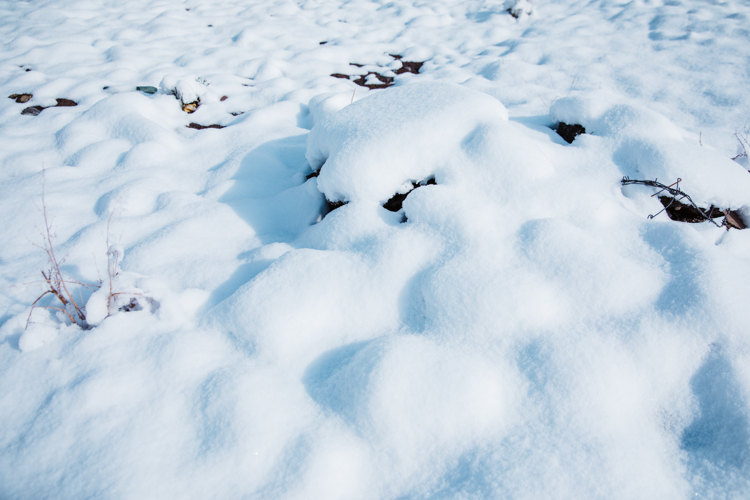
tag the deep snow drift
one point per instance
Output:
(513, 326)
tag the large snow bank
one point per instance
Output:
(527, 315)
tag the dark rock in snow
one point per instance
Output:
(569, 132)
(61, 103)
(65, 103)
(21, 98)
(146, 89)
(32, 110)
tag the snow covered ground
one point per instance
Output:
(516, 328)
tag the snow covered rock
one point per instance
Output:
(370, 149)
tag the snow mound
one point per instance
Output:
(369, 149)
(646, 145)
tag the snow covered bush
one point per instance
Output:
(70, 306)
(70, 302)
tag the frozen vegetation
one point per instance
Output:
(370, 249)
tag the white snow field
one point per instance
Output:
(514, 327)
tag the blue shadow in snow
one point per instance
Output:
(243, 274)
(338, 380)
(271, 195)
(721, 433)
(213, 405)
(270, 192)
(684, 291)
(411, 302)
(470, 477)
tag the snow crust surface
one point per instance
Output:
(518, 329)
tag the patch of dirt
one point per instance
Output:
(383, 80)
(395, 203)
(329, 207)
(198, 126)
(569, 131)
(687, 213)
(407, 66)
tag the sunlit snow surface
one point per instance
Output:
(519, 329)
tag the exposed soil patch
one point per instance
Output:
(680, 207)
(682, 212)
(198, 126)
(21, 98)
(687, 213)
(395, 203)
(367, 80)
(329, 207)
(407, 66)
(35, 110)
(381, 79)
(569, 131)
